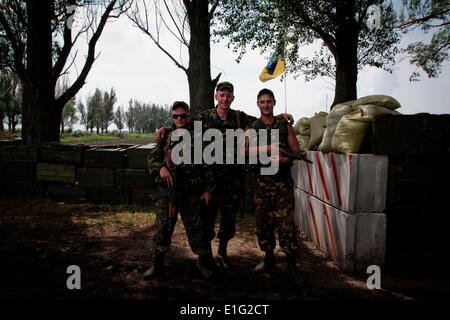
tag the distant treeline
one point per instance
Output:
(97, 113)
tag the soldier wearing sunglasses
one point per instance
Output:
(190, 188)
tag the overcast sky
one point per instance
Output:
(131, 63)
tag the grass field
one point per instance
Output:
(83, 136)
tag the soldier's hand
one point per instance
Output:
(165, 176)
(207, 196)
(161, 133)
(288, 117)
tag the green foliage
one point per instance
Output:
(431, 16)
(119, 119)
(10, 99)
(295, 24)
(146, 117)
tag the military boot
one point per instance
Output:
(157, 269)
(222, 257)
(206, 265)
(268, 263)
(293, 271)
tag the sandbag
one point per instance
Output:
(303, 142)
(318, 124)
(379, 100)
(350, 132)
(375, 110)
(333, 118)
(303, 127)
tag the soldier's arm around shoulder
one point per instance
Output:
(246, 119)
(292, 139)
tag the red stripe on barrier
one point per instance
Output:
(330, 231)
(311, 211)
(309, 178)
(322, 177)
(336, 180)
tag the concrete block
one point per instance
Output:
(351, 182)
(353, 241)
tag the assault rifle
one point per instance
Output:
(294, 155)
(169, 192)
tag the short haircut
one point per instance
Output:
(265, 91)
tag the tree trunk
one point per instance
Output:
(40, 118)
(346, 55)
(201, 86)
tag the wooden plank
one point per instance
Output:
(67, 193)
(19, 154)
(95, 177)
(104, 158)
(410, 134)
(133, 178)
(137, 156)
(55, 172)
(59, 153)
(17, 171)
(23, 188)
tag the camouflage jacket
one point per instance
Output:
(193, 178)
(282, 125)
(235, 119)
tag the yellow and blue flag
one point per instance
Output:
(275, 66)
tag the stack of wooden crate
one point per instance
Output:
(77, 173)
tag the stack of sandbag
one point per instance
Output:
(350, 132)
(332, 120)
(318, 124)
(351, 128)
(303, 131)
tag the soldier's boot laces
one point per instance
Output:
(222, 257)
(268, 263)
(157, 269)
(206, 265)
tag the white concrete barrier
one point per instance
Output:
(350, 182)
(354, 241)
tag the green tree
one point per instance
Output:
(119, 119)
(94, 106)
(130, 117)
(347, 44)
(107, 110)
(10, 99)
(37, 41)
(81, 108)
(69, 116)
(431, 16)
(189, 22)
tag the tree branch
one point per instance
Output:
(80, 81)
(18, 51)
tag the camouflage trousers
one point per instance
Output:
(274, 212)
(227, 200)
(193, 216)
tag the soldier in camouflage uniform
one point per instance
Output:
(229, 179)
(274, 194)
(194, 185)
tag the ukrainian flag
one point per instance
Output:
(275, 66)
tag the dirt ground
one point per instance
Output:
(39, 239)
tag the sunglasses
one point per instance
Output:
(179, 115)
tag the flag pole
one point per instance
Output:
(285, 95)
